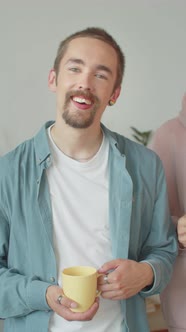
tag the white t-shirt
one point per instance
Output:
(79, 197)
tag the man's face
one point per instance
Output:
(85, 81)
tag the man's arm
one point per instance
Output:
(151, 273)
(20, 294)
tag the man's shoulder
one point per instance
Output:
(140, 160)
(26, 150)
(11, 158)
(132, 148)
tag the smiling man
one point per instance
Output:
(80, 194)
(84, 83)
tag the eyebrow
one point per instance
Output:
(75, 60)
(98, 67)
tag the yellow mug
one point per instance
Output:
(79, 283)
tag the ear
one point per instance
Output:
(116, 93)
(52, 80)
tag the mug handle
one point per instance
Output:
(99, 275)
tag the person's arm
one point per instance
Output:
(160, 248)
(20, 295)
(153, 270)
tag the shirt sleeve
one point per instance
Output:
(20, 294)
(160, 248)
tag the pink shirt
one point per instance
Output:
(169, 142)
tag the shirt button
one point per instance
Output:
(52, 279)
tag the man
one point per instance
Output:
(79, 194)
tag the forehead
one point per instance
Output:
(91, 51)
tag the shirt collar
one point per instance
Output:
(41, 143)
(43, 150)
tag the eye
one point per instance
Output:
(74, 69)
(101, 76)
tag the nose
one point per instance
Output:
(85, 82)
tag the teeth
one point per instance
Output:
(82, 100)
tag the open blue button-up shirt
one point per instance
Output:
(139, 218)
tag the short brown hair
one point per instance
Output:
(96, 33)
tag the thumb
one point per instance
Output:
(109, 266)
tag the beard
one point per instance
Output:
(80, 118)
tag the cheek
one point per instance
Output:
(65, 81)
(106, 91)
(60, 96)
(106, 97)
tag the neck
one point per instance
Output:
(78, 144)
(82, 160)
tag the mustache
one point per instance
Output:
(81, 93)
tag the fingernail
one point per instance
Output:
(73, 305)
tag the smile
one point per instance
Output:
(82, 100)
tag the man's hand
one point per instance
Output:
(181, 229)
(64, 309)
(127, 278)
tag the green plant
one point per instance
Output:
(141, 136)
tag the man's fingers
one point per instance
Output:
(104, 280)
(81, 316)
(109, 266)
(65, 301)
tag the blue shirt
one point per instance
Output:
(140, 224)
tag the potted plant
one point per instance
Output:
(142, 137)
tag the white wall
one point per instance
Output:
(152, 34)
